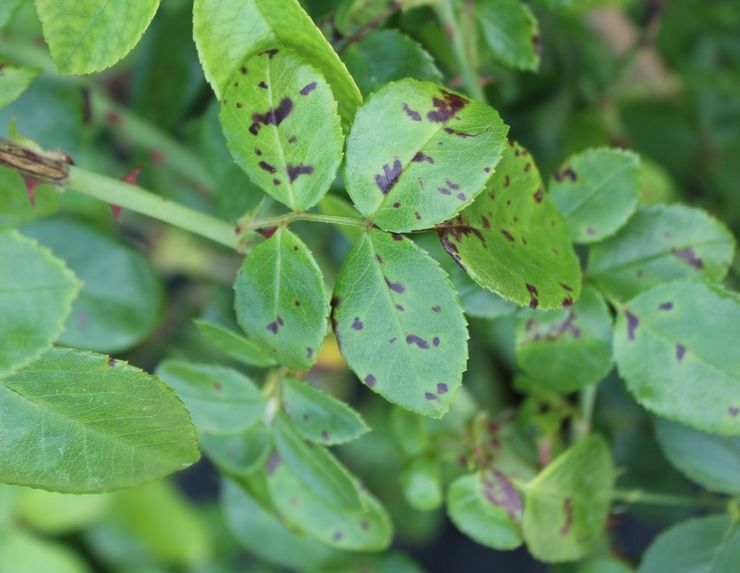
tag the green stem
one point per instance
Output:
(136, 199)
(446, 14)
(639, 496)
(586, 402)
(254, 224)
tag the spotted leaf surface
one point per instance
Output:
(659, 244)
(228, 31)
(319, 417)
(566, 349)
(220, 400)
(81, 422)
(13, 82)
(566, 505)
(233, 344)
(281, 302)
(399, 323)
(676, 349)
(487, 508)
(238, 454)
(36, 293)
(510, 31)
(418, 154)
(282, 127)
(368, 529)
(87, 36)
(513, 240)
(597, 191)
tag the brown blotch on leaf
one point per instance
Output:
(537, 44)
(276, 182)
(533, 300)
(274, 116)
(415, 115)
(568, 509)
(292, 139)
(263, 85)
(396, 205)
(508, 235)
(308, 88)
(566, 173)
(507, 180)
(538, 195)
(295, 170)
(386, 180)
(688, 255)
(270, 53)
(111, 361)
(243, 70)
(257, 151)
(447, 107)
(268, 232)
(485, 222)
(397, 236)
(632, 323)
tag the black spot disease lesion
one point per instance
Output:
(415, 115)
(295, 170)
(275, 325)
(391, 173)
(273, 116)
(446, 107)
(308, 88)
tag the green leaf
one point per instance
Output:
(421, 481)
(282, 127)
(366, 529)
(399, 323)
(220, 400)
(16, 205)
(511, 32)
(121, 298)
(233, 344)
(403, 166)
(238, 454)
(487, 508)
(87, 36)
(567, 503)
(21, 552)
(387, 56)
(80, 422)
(7, 10)
(569, 349)
(14, 81)
(676, 348)
(659, 244)
(319, 417)
(266, 536)
(281, 301)
(597, 191)
(706, 544)
(513, 241)
(36, 293)
(316, 468)
(60, 513)
(708, 459)
(228, 31)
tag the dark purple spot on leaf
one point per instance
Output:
(370, 380)
(295, 170)
(666, 306)
(396, 205)
(243, 70)
(689, 256)
(533, 300)
(430, 396)
(399, 308)
(324, 435)
(419, 157)
(274, 116)
(632, 323)
(267, 167)
(441, 388)
(357, 323)
(452, 185)
(566, 173)
(308, 88)
(273, 463)
(538, 195)
(397, 236)
(733, 411)
(435, 341)
(420, 342)
(337, 536)
(389, 177)
(309, 352)
(508, 235)
(270, 53)
(446, 107)
(680, 351)
(436, 308)
(395, 287)
(444, 190)
(263, 85)
(461, 196)
(415, 115)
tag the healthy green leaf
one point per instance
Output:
(228, 31)
(597, 191)
(281, 301)
(422, 484)
(659, 244)
(55, 513)
(238, 454)
(121, 298)
(282, 127)
(318, 470)
(708, 459)
(410, 431)
(513, 241)
(21, 552)
(367, 529)
(387, 56)
(319, 417)
(487, 508)
(676, 348)
(17, 205)
(14, 81)
(511, 32)
(80, 422)
(569, 349)
(399, 323)
(220, 400)
(36, 293)
(87, 36)
(403, 166)
(703, 544)
(567, 503)
(233, 344)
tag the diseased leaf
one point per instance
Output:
(567, 503)
(421, 481)
(121, 298)
(403, 167)
(232, 344)
(228, 31)
(14, 81)
(81, 422)
(569, 349)
(18, 205)
(511, 32)
(366, 529)
(319, 417)
(597, 191)
(513, 241)
(399, 323)
(676, 348)
(387, 56)
(220, 400)
(316, 468)
(708, 459)
(706, 544)
(238, 454)
(487, 508)
(36, 293)
(659, 244)
(282, 127)
(281, 301)
(87, 36)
